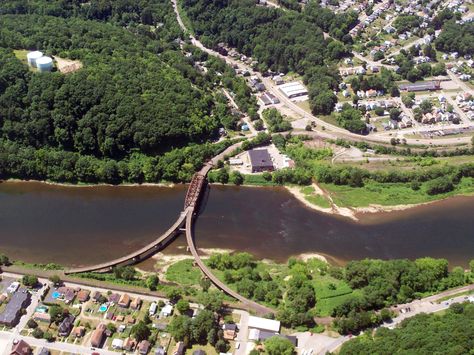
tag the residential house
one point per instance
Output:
(96, 296)
(129, 344)
(117, 344)
(166, 311)
(66, 325)
(178, 349)
(11, 314)
(67, 294)
(144, 347)
(129, 319)
(114, 298)
(160, 351)
(83, 295)
(78, 332)
(98, 335)
(42, 317)
(21, 348)
(136, 304)
(229, 331)
(124, 301)
(44, 351)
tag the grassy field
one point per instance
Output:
(21, 54)
(257, 180)
(390, 194)
(184, 273)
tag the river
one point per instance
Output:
(85, 225)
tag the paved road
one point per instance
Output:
(425, 305)
(66, 347)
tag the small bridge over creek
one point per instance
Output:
(184, 223)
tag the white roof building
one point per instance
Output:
(264, 324)
(117, 344)
(293, 89)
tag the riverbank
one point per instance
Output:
(82, 184)
(315, 197)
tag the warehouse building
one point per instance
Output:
(294, 89)
(260, 160)
(421, 86)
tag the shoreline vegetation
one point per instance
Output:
(305, 292)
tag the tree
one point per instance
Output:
(4, 260)
(212, 301)
(55, 279)
(279, 346)
(152, 282)
(29, 280)
(201, 325)
(140, 331)
(395, 114)
(38, 333)
(471, 266)
(111, 327)
(221, 346)
(48, 336)
(182, 306)
(179, 327)
(236, 178)
(173, 295)
(32, 324)
(205, 284)
(57, 313)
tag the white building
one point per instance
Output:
(152, 309)
(264, 324)
(293, 89)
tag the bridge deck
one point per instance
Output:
(190, 240)
(136, 254)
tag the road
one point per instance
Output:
(425, 305)
(65, 347)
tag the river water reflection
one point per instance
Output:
(79, 226)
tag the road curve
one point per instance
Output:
(258, 308)
(135, 256)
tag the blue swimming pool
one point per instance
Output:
(55, 295)
(103, 308)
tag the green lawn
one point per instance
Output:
(325, 306)
(313, 198)
(389, 194)
(184, 273)
(208, 349)
(257, 180)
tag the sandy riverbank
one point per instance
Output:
(353, 212)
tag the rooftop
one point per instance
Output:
(260, 158)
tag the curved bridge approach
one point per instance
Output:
(186, 219)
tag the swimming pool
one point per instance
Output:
(55, 295)
(103, 308)
(41, 309)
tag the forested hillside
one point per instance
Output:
(280, 40)
(131, 112)
(451, 333)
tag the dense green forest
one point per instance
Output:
(137, 111)
(279, 40)
(450, 333)
(456, 38)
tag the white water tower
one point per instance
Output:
(32, 57)
(44, 64)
